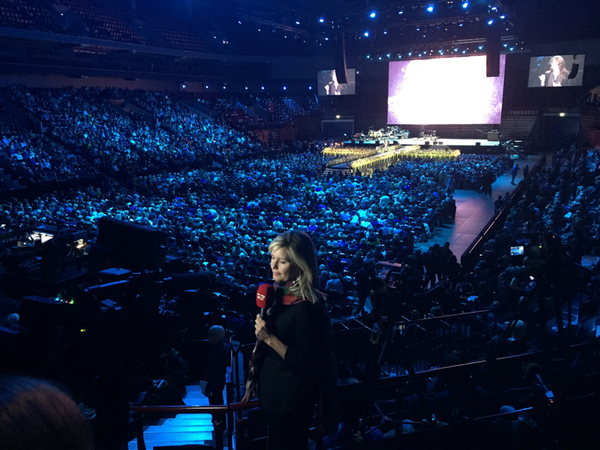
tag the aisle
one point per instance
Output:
(184, 429)
(473, 212)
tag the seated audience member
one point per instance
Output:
(335, 284)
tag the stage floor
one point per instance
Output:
(451, 143)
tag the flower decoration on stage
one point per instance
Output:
(385, 159)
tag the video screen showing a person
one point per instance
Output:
(556, 71)
(557, 75)
(329, 85)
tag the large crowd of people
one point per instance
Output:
(220, 198)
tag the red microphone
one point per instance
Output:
(265, 297)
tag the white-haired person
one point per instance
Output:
(295, 367)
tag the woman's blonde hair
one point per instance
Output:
(301, 252)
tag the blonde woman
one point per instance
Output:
(295, 335)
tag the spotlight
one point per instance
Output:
(321, 20)
(491, 22)
(400, 12)
(503, 17)
(430, 8)
(285, 88)
(465, 5)
(262, 88)
(297, 23)
(373, 15)
(366, 34)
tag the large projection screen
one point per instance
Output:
(449, 91)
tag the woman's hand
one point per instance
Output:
(247, 396)
(260, 329)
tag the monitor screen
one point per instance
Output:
(556, 71)
(327, 83)
(518, 250)
(444, 91)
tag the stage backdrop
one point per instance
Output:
(444, 91)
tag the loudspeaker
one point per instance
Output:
(340, 59)
(492, 62)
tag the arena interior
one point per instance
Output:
(151, 151)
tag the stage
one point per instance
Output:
(464, 145)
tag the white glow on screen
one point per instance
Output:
(444, 91)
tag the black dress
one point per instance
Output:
(288, 388)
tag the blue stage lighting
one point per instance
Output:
(366, 34)
(430, 8)
(491, 22)
(465, 5)
(503, 17)
(321, 20)
(400, 12)
(373, 15)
